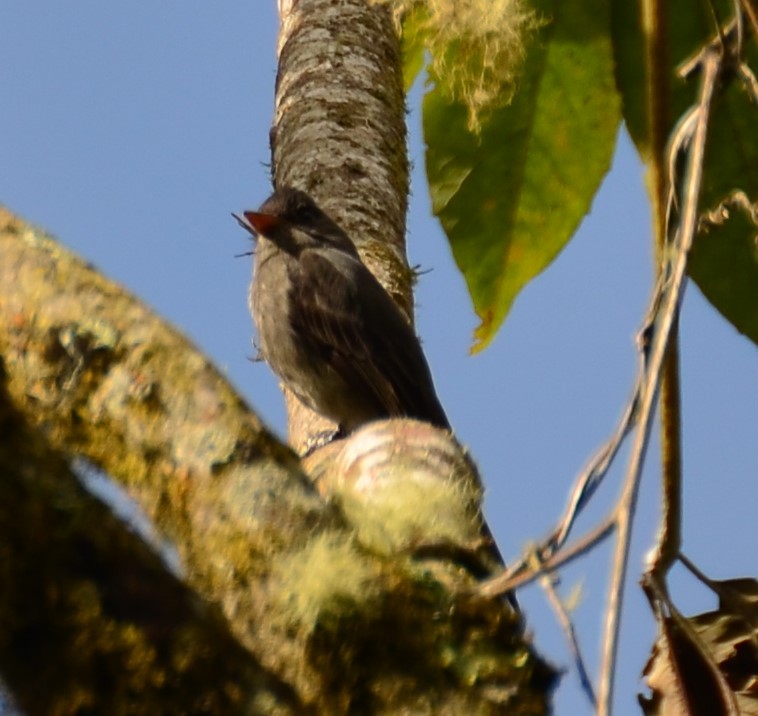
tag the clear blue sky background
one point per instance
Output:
(131, 131)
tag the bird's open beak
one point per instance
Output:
(262, 223)
(257, 223)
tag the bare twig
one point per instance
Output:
(680, 139)
(737, 199)
(674, 290)
(692, 567)
(521, 571)
(547, 583)
(659, 92)
(752, 14)
(520, 576)
(655, 343)
(720, 44)
(593, 475)
(749, 80)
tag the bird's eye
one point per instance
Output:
(306, 212)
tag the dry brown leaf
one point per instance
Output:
(708, 664)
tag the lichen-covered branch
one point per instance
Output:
(90, 619)
(322, 619)
(108, 380)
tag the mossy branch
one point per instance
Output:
(90, 618)
(315, 619)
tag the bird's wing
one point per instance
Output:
(347, 316)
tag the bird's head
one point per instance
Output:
(290, 219)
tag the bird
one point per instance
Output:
(325, 324)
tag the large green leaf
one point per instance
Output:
(413, 44)
(724, 261)
(510, 197)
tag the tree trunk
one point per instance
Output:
(339, 134)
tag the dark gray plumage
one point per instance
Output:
(326, 326)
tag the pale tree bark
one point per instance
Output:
(294, 599)
(339, 134)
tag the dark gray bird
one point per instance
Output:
(326, 326)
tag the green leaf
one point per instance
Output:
(413, 44)
(511, 196)
(688, 26)
(724, 261)
(724, 264)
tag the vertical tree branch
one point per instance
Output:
(655, 23)
(339, 134)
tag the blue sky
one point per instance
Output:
(131, 131)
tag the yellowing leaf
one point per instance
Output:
(511, 196)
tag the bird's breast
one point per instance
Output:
(279, 342)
